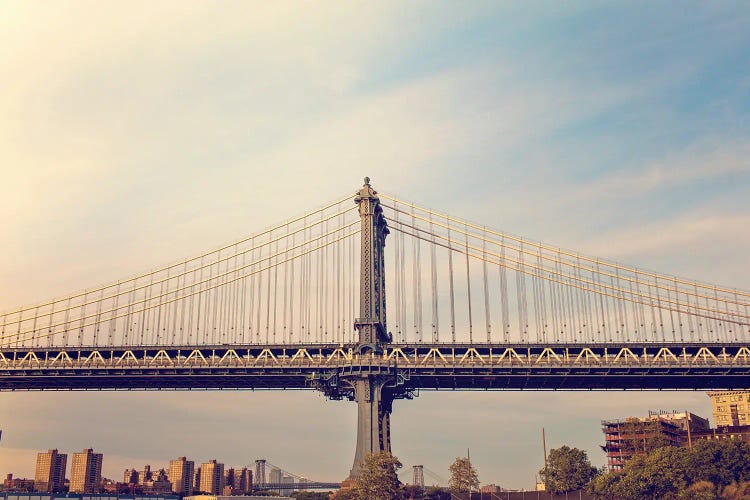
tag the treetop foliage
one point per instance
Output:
(463, 476)
(568, 469)
(708, 470)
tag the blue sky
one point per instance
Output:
(134, 134)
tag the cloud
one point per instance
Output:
(710, 161)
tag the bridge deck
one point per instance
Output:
(419, 366)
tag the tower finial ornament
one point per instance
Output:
(367, 181)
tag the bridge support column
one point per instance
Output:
(374, 406)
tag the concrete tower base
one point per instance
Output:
(374, 406)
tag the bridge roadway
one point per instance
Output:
(412, 367)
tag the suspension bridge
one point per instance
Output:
(302, 305)
(277, 482)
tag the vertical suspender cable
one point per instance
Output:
(258, 294)
(157, 329)
(653, 313)
(216, 304)
(545, 317)
(658, 305)
(325, 289)
(291, 292)
(418, 273)
(285, 285)
(274, 302)
(397, 277)
(486, 290)
(270, 260)
(433, 275)
(621, 305)
(112, 321)
(414, 280)
(450, 281)
(519, 301)
(67, 317)
(524, 303)
(304, 325)
(504, 294)
(337, 254)
(251, 326)
(243, 302)
(691, 330)
(468, 286)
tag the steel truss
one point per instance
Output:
(401, 368)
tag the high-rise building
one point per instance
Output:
(229, 478)
(244, 480)
(730, 408)
(181, 475)
(289, 481)
(197, 481)
(212, 478)
(50, 471)
(159, 484)
(86, 472)
(275, 475)
(145, 475)
(130, 476)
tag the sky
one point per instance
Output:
(133, 134)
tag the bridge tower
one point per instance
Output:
(418, 476)
(371, 325)
(260, 473)
(374, 401)
(374, 391)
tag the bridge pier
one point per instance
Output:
(374, 406)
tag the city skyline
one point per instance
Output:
(131, 140)
(592, 434)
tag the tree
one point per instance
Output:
(719, 461)
(736, 491)
(463, 476)
(702, 490)
(377, 478)
(568, 469)
(700, 472)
